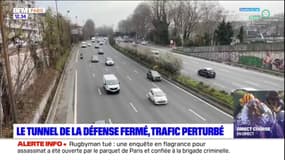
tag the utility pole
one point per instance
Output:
(7, 65)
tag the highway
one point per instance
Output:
(228, 77)
(131, 105)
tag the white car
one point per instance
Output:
(89, 44)
(144, 42)
(111, 83)
(83, 45)
(109, 61)
(155, 53)
(157, 96)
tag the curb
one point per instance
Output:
(53, 106)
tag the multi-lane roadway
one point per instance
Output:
(131, 105)
(228, 77)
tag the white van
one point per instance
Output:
(111, 83)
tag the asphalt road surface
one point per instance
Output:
(228, 77)
(131, 105)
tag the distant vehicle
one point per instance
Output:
(81, 55)
(94, 59)
(157, 96)
(89, 44)
(153, 75)
(100, 51)
(207, 72)
(155, 53)
(109, 61)
(96, 46)
(144, 42)
(83, 45)
(101, 43)
(93, 39)
(111, 83)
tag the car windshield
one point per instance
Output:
(112, 82)
(158, 93)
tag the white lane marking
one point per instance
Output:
(136, 71)
(129, 78)
(75, 99)
(134, 108)
(99, 91)
(93, 75)
(197, 114)
(110, 121)
(76, 59)
(252, 83)
(198, 99)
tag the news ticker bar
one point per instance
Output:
(205, 131)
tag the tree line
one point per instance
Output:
(188, 23)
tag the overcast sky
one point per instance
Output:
(111, 12)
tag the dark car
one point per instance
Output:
(81, 56)
(153, 75)
(207, 72)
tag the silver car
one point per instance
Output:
(157, 96)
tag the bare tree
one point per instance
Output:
(160, 21)
(141, 19)
(212, 14)
(126, 26)
(88, 29)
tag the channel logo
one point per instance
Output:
(23, 13)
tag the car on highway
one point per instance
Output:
(89, 44)
(207, 72)
(81, 55)
(83, 44)
(100, 51)
(109, 61)
(96, 46)
(144, 42)
(111, 83)
(155, 53)
(101, 43)
(153, 75)
(94, 59)
(157, 96)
